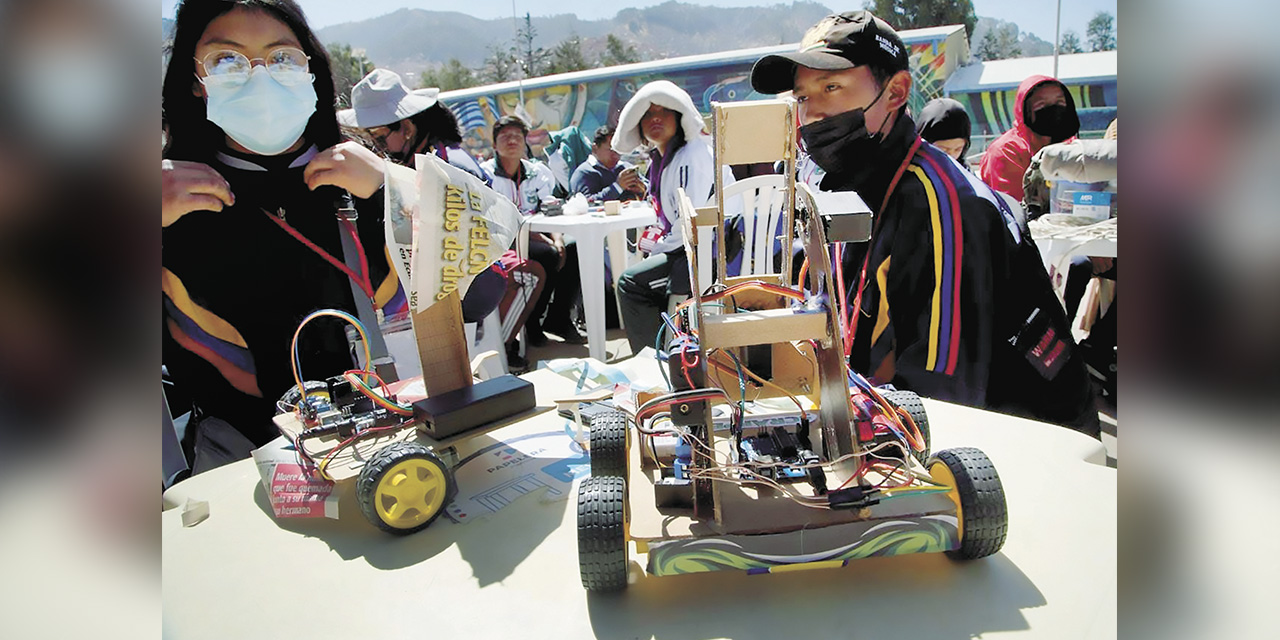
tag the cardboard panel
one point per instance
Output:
(761, 327)
(442, 346)
(753, 131)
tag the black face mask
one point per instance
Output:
(1057, 122)
(841, 142)
(405, 155)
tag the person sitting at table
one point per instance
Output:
(526, 182)
(603, 177)
(662, 118)
(944, 123)
(255, 168)
(946, 298)
(402, 123)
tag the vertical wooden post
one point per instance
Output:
(442, 346)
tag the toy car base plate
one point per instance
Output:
(752, 509)
(346, 464)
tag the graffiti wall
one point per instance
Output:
(588, 105)
(992, 111)
(598, 100)
(929, 71)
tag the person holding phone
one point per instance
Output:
(604, 176)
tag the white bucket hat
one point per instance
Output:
(381, 98)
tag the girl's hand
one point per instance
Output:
(190, 186)
(346, 165)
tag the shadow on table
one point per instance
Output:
(489, 547)
(353, 537)
(918, 596)
(496, 543)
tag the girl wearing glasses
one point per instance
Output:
(254, 173)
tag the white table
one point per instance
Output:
(1059, 247)
(591, 231)
(514, 574)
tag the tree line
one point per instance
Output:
(1002, 43)
(522, 58)
(519, 58)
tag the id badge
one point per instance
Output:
(1041, 345)
(649, 239)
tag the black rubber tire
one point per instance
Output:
(373, 471)
(602, 541)
(609, 445)
(910, 401)
(984, 521)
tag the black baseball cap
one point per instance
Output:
(841, 41)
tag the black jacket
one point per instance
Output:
(236, 286)
(957, 304)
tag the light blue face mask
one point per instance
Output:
(261, 114)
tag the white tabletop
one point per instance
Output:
(514, 574)
(633, 214)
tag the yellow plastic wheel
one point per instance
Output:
(981, 511)
(404, 488)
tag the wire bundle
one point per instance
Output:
(896, 477)
(362, 380)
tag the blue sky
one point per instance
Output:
(1035, 16)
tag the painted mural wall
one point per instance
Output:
(992, 111)
(590, 104)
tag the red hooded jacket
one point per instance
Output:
(1007, 159)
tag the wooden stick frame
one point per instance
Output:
(750, 132)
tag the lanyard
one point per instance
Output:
(856, 311)
(656, 193)
(362, 279)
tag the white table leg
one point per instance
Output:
(591, 271)
(617, 263)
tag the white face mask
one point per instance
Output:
(264, 116)
(48, 96)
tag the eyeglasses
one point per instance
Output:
(379, 134)
(288, 65)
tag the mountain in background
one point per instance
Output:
(410, 40)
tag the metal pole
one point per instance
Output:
(515, 22)
(1057, 38)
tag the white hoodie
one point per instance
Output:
(691, 167)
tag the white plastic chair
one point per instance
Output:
(484, 338)
(762, 200)
(751, 132)
(402, 344)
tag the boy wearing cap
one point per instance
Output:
(948, 298)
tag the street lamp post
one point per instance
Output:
(1057, 38)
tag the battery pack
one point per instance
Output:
(482, 403)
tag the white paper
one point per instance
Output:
(462, 227)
